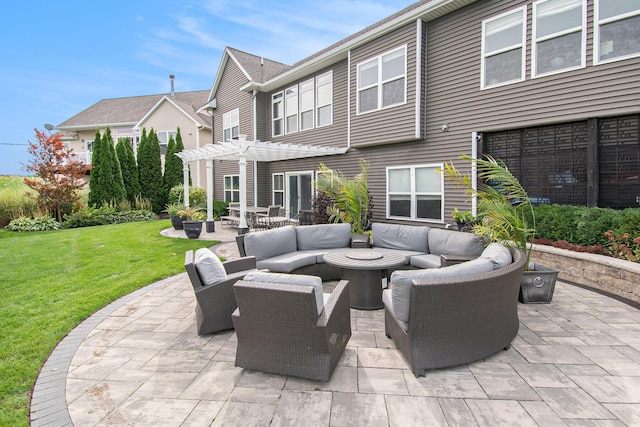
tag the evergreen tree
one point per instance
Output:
(172, 166)
(129, 169)
(179, 148)
(95, 188)
(150, 171)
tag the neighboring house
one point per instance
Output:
(550, 86)
(126, 117)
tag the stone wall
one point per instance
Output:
(608, 274)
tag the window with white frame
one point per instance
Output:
(163, 139)
(230, 124)
(291, 109)
(306, 105)
(558, 36)
(382, 81)
(324, 99)
(232, 188)
(616, 30)
(277, 114)
(415, 192)
(278, 189)
(503, 48)
(88, 145)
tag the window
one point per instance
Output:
(415, 192)
(278, 189)
(291, 108)
(503, 49)
(89, 151)
(230, 124)
(232, 188)
(278, 114)
(324, 99)
(382, 81)
(616, 30)
(163, 139)
(558, 36)
(306, 105)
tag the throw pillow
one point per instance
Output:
(499, 255)
(209, 267)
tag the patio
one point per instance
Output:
(139, 361)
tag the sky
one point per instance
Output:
(58, 58)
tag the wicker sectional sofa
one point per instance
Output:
(301, 249)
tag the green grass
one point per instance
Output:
(53, 280)
(13, 183)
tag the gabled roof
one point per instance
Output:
(255, 68)
(130, 110)
(187, 109)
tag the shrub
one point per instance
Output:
(106, 214)
(39, 223)
(197, 195)
(14, 204)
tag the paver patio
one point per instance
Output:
(139, 362)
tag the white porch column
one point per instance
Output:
(209, 190)
(185, 180)
(242, 164)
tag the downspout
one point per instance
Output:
(254, 119)
(198, 180)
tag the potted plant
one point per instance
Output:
(192, 222)
(350, 199)
(173, 210)
(464, 219)
(508, 217)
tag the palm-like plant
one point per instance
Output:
(350, 197)
(502, 202)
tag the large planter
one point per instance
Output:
(538, 284)
(176, 222)
(192, 229)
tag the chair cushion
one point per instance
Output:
(323, 236)
(291, 279)
(401, 281)
(499, 254)
(396, 236)
(387, 300)
(426, 261)
(450, 242)
(270, 243)
(209, 267)
(288, 262)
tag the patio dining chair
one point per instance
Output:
(271, 219)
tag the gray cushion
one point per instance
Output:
(407, 254)
(401, 281)
(387, 300)
(499, 254)
(288, 262)
(269, 243)
(449, 242)
(396, 236)
(209, 267)
(426, 261)
(291, 279)
(323, 236)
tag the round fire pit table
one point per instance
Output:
(364, 269)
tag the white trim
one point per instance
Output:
(521, 45)
(349, 104)
(597, 22)
(418, 75)
(474, 172)
(380, 81)
(535, 40)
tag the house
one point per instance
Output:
(549, 86)
(126, 117)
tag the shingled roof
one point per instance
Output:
(130, 110)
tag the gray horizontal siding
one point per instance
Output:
(229, 97)
(391, 124)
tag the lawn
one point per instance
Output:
(53, 280)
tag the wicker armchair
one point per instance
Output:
(459, 320)
(215, 302)
(279, 330)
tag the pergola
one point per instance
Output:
(243, 150)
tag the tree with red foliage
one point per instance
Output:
(59, 176)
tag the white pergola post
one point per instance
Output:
(242, 164)
(209, 190)
(185, 180)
